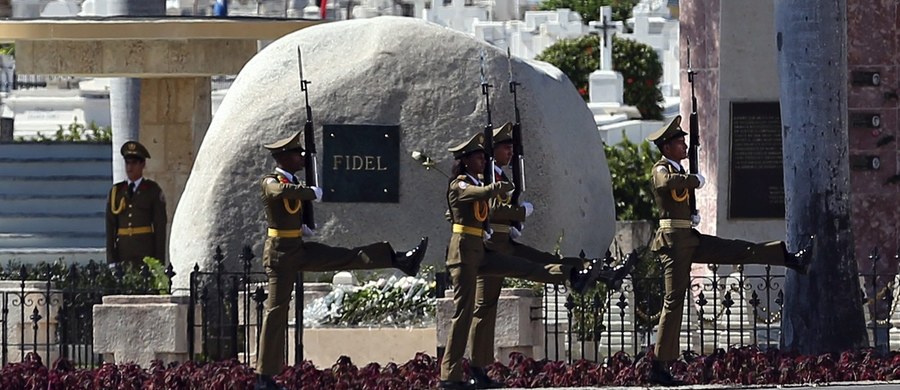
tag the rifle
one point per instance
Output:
(309, 140)
(488, 128)
(694, 136)
(518, 159)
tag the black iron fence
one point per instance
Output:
(724, 306)
(226, 310)
(48, 308)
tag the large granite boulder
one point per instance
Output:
(392, 70)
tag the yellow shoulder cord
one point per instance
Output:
(112, 202)
(684, 194)
(287, 202)
(481, 210)
(292, 210)
(504, 200)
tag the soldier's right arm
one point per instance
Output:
(467, 192)
(277, 190)
(111, 230)
(665, 180)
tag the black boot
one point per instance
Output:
(265, 382)
(457, 385)
(799, 261)
(483, 381)
(660, 375)
(583, 279)
(410, 261)
(613, 277)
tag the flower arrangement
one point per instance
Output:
(397, 302)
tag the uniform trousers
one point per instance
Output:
(284, 258)
(487, 294)
(677, 257)
(474, 263)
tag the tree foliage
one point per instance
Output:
(590, 9)
(629, 168)
(638, 63)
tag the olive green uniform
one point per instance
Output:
(135, 223)
(285, 254)
(678, 245)
(467, 259)
(487, 291)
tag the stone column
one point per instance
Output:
(174, 115)
(124, 93)
(124, 100)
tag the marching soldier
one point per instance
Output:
(467, 258)
(135, 213)
(678, 244)
(505, 219)
(286, 253)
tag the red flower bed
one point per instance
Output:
(737, 366)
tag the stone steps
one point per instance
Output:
(52, 201)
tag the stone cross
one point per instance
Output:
(608, 32)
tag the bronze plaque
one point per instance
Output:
(361, 163)
(757, 173)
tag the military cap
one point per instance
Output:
(503, 133)
(472, 145)
(134, 149)
(663, 135)
(286, 144)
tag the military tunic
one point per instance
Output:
(135, 223)
(487, 290)
(679, 245)
(286, 253)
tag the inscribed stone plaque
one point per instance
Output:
(361, 163)
(757, 176)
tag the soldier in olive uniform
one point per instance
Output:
(467, 259)
(506, 219)
(135, 213)
(678, 244)
(286, 253)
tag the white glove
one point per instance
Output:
(485, 235)
(514, 233)
(695, 220)
(307, 232)
(318, 192)
(702, 180)
(529, 208)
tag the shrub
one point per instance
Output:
(638, 63)
(75, 132)
(629, 169)
(150, 278)
(744, 366)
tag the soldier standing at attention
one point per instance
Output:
(505, 217)
(135, 213)
(679, 245)
(286, 253)
(467, 259)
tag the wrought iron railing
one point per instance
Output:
(48, 309)
(226, 309)
(740, 307)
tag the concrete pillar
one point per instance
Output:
(124, 93)
(124, 100)
(174, 115)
